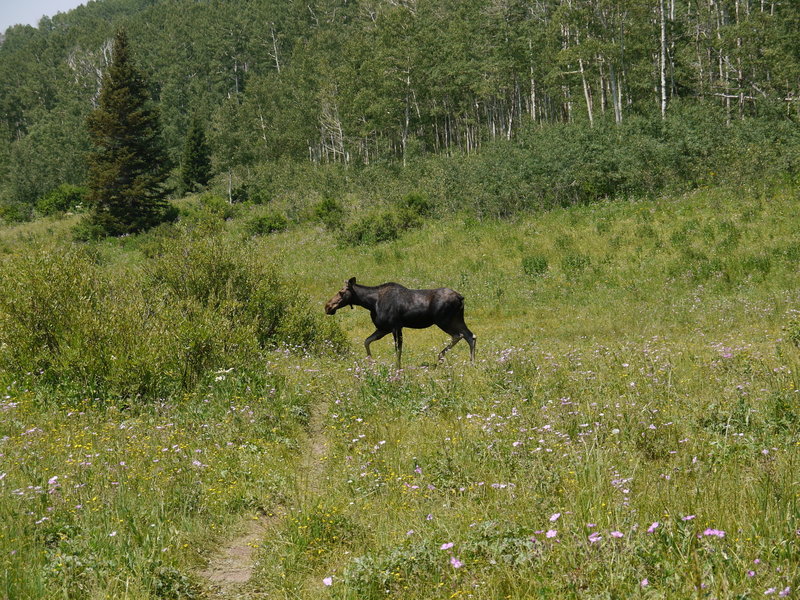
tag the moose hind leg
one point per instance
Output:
(398, 344)
(376, 335)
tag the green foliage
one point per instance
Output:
(374, 228)
(202, 305)
(330, 213)
(534, 265)
(388, 224)
(170, 583)
(64, 198)
(196, 159)
(267, 223)
(128, 165)
(574, 263)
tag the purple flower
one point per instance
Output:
(785, 592)
(554, 517)
(595, 537)
(653, 527)
(716, 532)
(551, 533)
(328, 581)
(457, 564)
(688, 518)
(751, 573)
(446, 546)
(645, 582)
(617, 534)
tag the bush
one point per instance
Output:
(64, 198)
(217, 206)
(374, 228)
(267, 223)
(534, 265)
(201, 305)
(330, 213)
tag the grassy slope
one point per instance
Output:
(641, 379)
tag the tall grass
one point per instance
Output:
(83, 329)
(629, 430)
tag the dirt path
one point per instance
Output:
(231, 567)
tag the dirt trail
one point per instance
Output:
(231, 567)
(315, 452)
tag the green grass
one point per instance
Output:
(648, 374)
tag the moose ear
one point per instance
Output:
(351, 282)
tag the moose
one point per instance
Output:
(393, 307)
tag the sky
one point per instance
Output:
(28, 12)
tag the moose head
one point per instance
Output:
(343, 297)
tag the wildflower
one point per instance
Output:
(328, 581)
(751, 573)
(617, 534)
(551, 533)
(554, 517)
(688, 518)
(645, 582)
(785, 592)
(446, 546)
(457, 564)
(410, 532)
(653, 527)
(769, 591)
(595, 537)
(112, 534)
(716, 532)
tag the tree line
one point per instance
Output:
(365, 82)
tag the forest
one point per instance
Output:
(522, 103)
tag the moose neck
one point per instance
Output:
(364, 296)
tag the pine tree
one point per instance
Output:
(196, 162)
(128, 164)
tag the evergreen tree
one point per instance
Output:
(128, 164)
(196, 163)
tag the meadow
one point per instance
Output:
(629, 429)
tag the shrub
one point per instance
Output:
(65, 197)
(374, 228)
(330, 213)
(217, 206)
(201, 305)
(267, 223)
(534, 265)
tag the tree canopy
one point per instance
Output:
(360, 81)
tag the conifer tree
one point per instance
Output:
(196, 162)
(128, 164)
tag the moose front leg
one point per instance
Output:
(378, 334)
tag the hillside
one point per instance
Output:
(629, 429)
(644, 96)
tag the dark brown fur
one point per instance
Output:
(393, 307)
